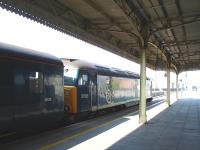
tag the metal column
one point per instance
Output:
(142, 103)
(177, 88)
(168, 86)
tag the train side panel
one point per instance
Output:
(114, 91)
(124, 90)
(53, 108)
(148, 89)
(104, 91)
(38, 95)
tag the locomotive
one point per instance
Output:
(90, 88)
(37, 91)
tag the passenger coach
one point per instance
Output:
(31, 89)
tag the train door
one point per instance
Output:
(53, 94)
(93, 90)
(6, 96)
(28, 95)
(104, 91)
(83, 101)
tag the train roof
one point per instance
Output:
(24, 54)
(104, 70)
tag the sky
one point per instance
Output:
(23, 32)
(20, 31)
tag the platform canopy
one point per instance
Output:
(171, 27)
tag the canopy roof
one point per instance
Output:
(172, 26)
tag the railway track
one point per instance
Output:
(100, 118)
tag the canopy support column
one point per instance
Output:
(177, 87)
(168, 86)
(142, 103)
(145, 32)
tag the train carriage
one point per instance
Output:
(31, 89)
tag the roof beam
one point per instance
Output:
(177, 25)
(128, 17)
(169, 23)
(160, 19)
(192, 60)
(152, 23)
(111, 20)
(183, 27)
(191, 52)
(188, 42)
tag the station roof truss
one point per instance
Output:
(173, 32)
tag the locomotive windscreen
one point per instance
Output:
(70, 76)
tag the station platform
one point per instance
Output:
(169, 128)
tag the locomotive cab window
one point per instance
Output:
(83, 79)
(70, 76)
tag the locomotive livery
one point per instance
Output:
(90, 87)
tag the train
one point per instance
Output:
(38, 90)
(89, 87)
(157, 92)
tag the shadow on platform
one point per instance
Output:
(176, 128)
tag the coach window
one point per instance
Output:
(83, 79)
(35, 82)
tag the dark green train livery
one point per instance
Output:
(31, 89)
(90, 87)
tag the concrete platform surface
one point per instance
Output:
(176, 128)
(168, 128)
